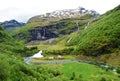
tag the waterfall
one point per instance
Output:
(43, 37)
(77, 25)
(44, 33)
(69, 39)
(86, 26)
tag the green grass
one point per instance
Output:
(84, 71)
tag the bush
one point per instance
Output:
(4, 69)
(118, 70)
(103, 79)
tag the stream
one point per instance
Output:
(101, 65)
(27, 61)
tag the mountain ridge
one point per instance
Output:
(63, 14)
(11, 24)
(56, 23)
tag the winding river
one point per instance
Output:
(27, 61)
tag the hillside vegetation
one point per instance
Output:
(100, 40)
(101, 37)
(12, 67)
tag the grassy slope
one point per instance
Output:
(12, 67)
(87, 71)
(101, 37)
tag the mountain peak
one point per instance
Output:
(63, 14)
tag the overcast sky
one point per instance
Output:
(22, 10)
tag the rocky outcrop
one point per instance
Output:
(50, 31)
(47, 32)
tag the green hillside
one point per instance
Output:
(3, 35)
(12, 66)
(101, 37)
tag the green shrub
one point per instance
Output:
(118, 70)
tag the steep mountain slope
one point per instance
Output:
(8, 44)
(55, 24)
(3, 35)
(101, 37)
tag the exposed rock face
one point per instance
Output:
(41, 34)
(50, 31)
(11, 24)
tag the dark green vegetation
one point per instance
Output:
(11, 46)
(101, 37)
(100, 41)
(12, 67)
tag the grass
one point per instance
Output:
(79, 68)
(85, 71)
(51, 47)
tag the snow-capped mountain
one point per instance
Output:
(63, 14)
